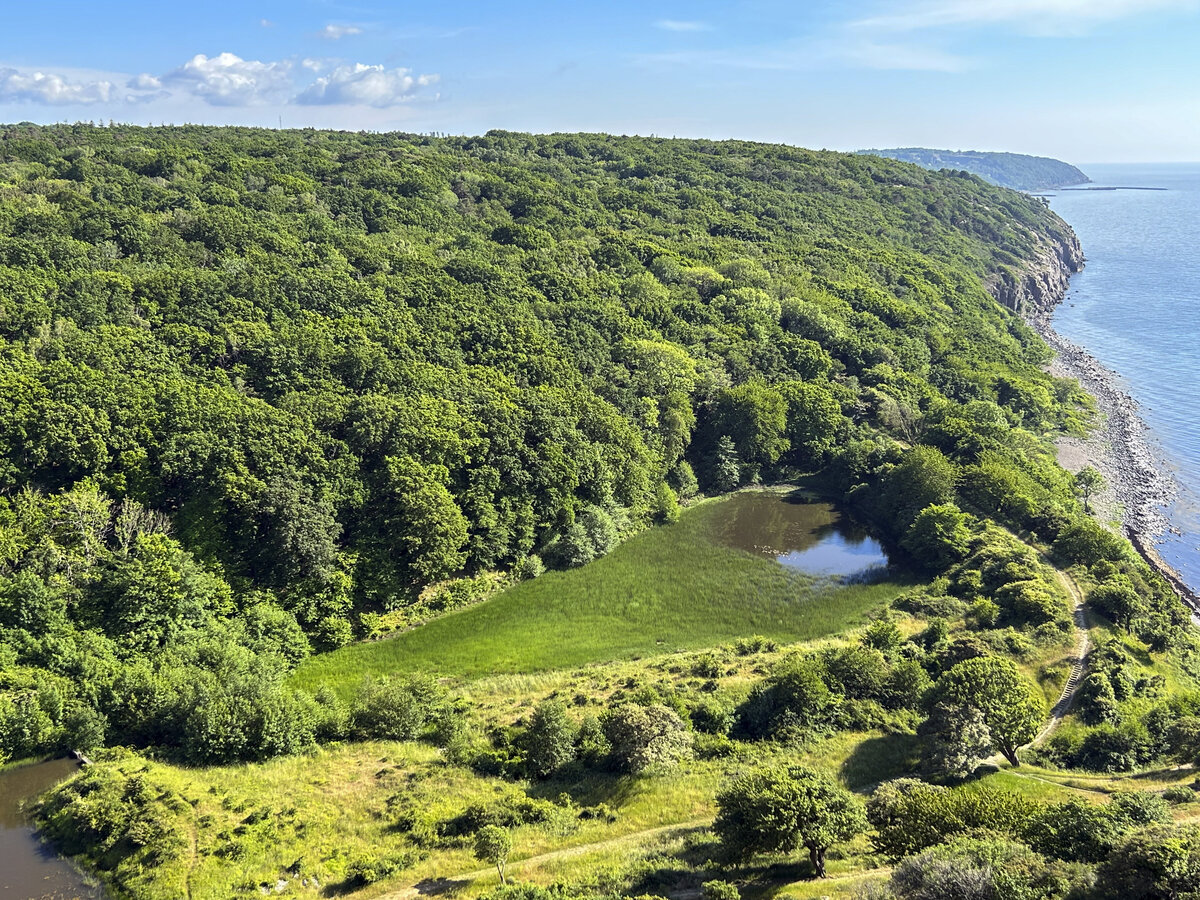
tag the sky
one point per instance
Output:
(1081, 80)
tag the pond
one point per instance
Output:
(802, 535)
(29, 870)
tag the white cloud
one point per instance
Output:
(52, 89)
(266, 23)
(678, 25)
(1037, 16)
(362, 85)
(145, 82)
(229, 80)
(334, 32)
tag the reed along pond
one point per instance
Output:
(808, 537)
(29, 870)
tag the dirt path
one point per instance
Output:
(442, 885)
(1057, 713)
(1078, 662)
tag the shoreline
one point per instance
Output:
(1139, 486)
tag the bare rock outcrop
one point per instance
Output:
(1034, 288)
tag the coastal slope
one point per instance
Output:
(1012, 170)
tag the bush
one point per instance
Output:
(984, 868)
(550, 740)
(1158, 863)
(371, 869)
(719, 890)
(793, 704)
(909, 815)
(395, 708)
(645, 738)
(1179, 794)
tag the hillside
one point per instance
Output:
(1012, 170)
(293, 423)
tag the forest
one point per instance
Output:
(1013, 170)
(268, 394)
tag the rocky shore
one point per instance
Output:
(1139, 485)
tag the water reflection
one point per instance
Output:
(29, 870)
(807, 537)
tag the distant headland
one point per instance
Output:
(1011, 170)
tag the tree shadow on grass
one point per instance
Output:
(678, 872)
(429, 887)
(587, 789)
(768, 882)
(880, 759)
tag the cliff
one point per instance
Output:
(1035, 287)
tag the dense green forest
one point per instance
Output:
(1012, 170)
(262, 390)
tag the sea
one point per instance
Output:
(1136, 308)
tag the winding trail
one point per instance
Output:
(1078, 663)
(449, 882)
(436, 886)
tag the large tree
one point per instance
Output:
(779, 810)
(1012, 707)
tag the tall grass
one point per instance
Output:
(669, 588)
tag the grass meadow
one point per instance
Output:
(669, 588)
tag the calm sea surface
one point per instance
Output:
(1136, 308)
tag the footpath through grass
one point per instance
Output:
(670, 588)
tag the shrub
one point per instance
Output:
(371, 869)
(645, 738)
(719, 890)
(395, 708)
(984, 868)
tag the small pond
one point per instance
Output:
(29, 870)
(808, 537)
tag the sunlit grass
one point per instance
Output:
(667, 589)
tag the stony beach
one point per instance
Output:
(1139, 485)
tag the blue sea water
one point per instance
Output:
(1136, 308)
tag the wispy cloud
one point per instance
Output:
(334, 32)
(678, 25)
(840, 51)
(1032, 16)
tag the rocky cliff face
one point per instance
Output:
(1033, 289)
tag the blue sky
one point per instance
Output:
(1084, 80)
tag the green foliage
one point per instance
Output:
(792, 704)
(1012, 708)
(368, 870)
(1015, 170)
(954, 740)
(909, 815)
(550, 739)
(1159, 863)
(397, 708)
(1088, 481)
(985, 868)
(938, 537)
(778, 810)
(645, 738)
(492, 845)
(719, 890)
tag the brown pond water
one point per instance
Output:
(29, 870)
(805, 536)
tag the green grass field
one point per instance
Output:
(669, 588)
